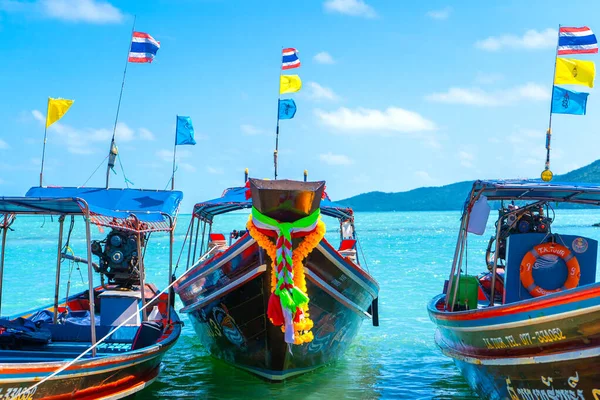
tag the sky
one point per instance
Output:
(396, 95)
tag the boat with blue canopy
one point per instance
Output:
(527, 328)
(275, 298)
(108, 341)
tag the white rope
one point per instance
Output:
(67, 365)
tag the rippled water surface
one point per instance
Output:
(409, 254)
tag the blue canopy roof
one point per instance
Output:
(147, 205)
(582, 193)
(234, 199)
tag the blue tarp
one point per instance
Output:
(147, 205)
(584, 193)
(235, 199)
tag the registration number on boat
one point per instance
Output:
(18, 393)
(525, 339)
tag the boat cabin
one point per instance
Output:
(526, 257)
(118, 311)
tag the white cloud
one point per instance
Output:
(87, 140)
(424, 177)
(479, 97)
(95, 12)
(362, 120)
(357, 8)
(251, 130)
(145, 134)
(3, 145)
(215, 170)
(442, 14)
(91, 11)
(318, 92)
(466, 159)
(532, 39)
(324, 58)
(335, 159)
(167, 155)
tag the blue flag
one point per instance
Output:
(287, 109)
(185, 131)
(568, 102)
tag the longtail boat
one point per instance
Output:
(529, 327)
(275, 298)
(108, 341)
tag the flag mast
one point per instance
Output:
(44, 146)
(114, 151)
(174, 152)
(276, 152)
(547, 174)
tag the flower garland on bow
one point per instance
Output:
(288, 303)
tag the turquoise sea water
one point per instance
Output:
(409, 253)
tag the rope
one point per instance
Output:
(127, 181)
(97, 168)
(183, 246)
(362, 252)
(73, 361)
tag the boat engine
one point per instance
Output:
(118, 254)
(515, 220)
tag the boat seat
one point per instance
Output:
(348, 249)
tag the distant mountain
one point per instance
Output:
(448, 197)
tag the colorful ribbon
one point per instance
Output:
(287, 300)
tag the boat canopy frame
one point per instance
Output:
(52, 203)
(535, 191)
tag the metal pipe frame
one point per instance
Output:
(187, 266)
(88, 243)
(171, 242)
(142, 271)
(61, 221)
(2, 252)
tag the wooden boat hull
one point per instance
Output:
(567, 375)
(558, 322)
(548, 346)
(226, 299)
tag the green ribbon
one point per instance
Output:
(286, 227)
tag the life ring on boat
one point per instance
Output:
(573, 271)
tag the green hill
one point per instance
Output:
(448, 197)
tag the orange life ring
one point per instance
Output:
(573, 272)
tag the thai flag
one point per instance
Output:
(576, 41)
(290, 58)
(143, 48)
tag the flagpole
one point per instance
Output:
(44, 146)
(174, 152)
(276, 153)
(549, 131)
(112, 152)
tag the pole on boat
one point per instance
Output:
(141, 271)
(113, 151)
(174, 153)
(246, 175)
(495, 266)
(546, 173)
(5, 226)
(61, 221)
(88, 244)
(305, 175)
(276, 152)
(44, 146)
(171, 241)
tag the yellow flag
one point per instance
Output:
(56, 109)
(289, 84)
(570, 71)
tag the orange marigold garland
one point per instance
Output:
(302, 324)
